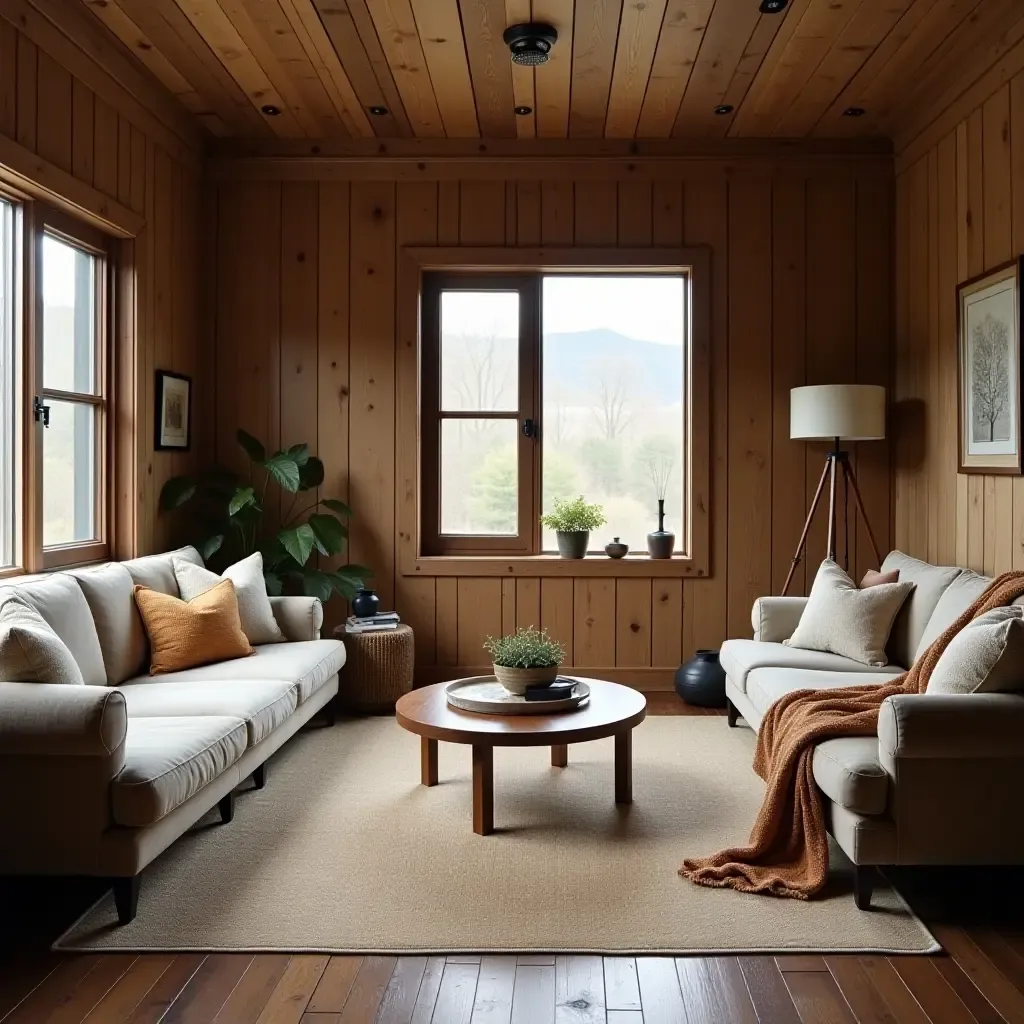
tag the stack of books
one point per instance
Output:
(372, 623)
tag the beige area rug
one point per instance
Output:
(344, 851)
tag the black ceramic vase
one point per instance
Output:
(701, 680)
(661, 542)
(365, 603)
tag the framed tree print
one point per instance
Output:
(173, 411)
(989, 371)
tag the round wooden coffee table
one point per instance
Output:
(612, 710)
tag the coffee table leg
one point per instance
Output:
(428, 761)
(624, 767)
(483, 790)
(559, 755)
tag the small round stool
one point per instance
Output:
(378, 668)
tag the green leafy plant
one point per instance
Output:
(526, 648)
(574, 516)
(230, 510)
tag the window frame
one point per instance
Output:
(35, 219)
(419, 269)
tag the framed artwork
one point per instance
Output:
(173, 411)
(989, 371)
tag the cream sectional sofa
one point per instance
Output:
(100, 779)
(941, 782)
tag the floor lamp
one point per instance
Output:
(836, 412)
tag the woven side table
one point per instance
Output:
(378, 668)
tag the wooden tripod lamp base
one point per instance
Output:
(839, 412)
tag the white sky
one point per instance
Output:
(58, 273)
(648, 308)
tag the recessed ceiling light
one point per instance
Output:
(379, 111)
(270, 110)
(723, 108)
(530, 44)
(854, 112)
(773, 6)
(523, 110)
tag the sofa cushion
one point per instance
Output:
(955, 600)
(308, 664)
(169, 760)
(766, 685)
(108, 592)
(30, 651)
(60, 601)
(262, 704)
(157, 571)
(849, 772)
(986, 656)
(930, 583)
(739, 657)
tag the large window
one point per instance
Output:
(541, 386)
(54, 317)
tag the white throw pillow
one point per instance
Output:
(842, 619)
(986, 656)
(30, 651)
(258, 622)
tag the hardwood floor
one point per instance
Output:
(974, 914)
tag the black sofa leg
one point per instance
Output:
(864, 878)
(126, 897)
(226, 806)
(259, 776)
(732, 714)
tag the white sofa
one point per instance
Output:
(100, 779)
(940, 784)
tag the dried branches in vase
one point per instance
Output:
(661, 542)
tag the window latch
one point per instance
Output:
(41, 411)
(529, 428)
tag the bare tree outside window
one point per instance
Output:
(990, 379)
(612, 408)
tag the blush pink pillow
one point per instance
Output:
(872, 578)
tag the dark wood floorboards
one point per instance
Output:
(976, 915)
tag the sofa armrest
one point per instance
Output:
(300, 618)
(951, 726)
(46, 720)
(775, 618)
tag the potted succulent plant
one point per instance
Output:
(528, 657)
(572, 522)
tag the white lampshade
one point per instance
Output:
(851, 412)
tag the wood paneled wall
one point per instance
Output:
(960, 212)
(90, 126)
(306, 333)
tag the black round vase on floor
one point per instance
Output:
(701, 681)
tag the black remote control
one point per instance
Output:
(555, 691)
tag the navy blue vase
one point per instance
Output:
(701, 680)
(365, 603)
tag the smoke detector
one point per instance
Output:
(530, 44)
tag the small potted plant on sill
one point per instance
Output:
(528, 657)
(572, 522)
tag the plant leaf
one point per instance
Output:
(337, 507)
(311, 474)
(300, 453)
(346, 586)
(209, 547)
(298, 542)
(243, 496)
(274, 583)
(251, 447)
(285, 470)
(329, 533)
(358, 572)
(176, 492)
(316, 584)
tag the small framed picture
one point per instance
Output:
(173, 411)
(989, 371)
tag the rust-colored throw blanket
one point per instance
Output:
(788, 851)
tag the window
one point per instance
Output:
(546, 384)
(53, 379)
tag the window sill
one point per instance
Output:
(551, 565)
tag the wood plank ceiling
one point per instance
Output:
(650, 69)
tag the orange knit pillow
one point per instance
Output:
(184, 634)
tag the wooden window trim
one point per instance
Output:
(413, 263)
